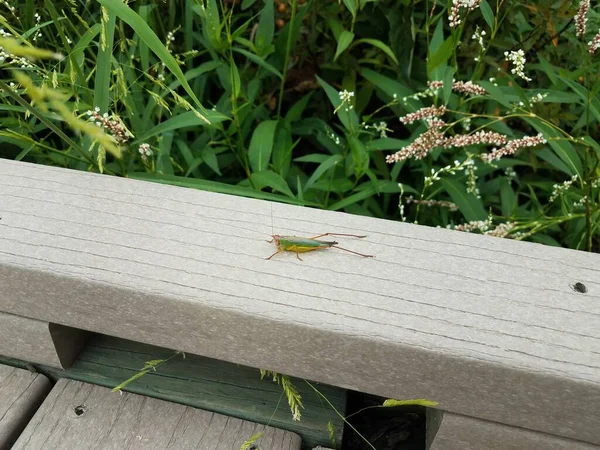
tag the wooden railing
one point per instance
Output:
(492, 329)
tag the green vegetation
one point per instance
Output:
(299, 100)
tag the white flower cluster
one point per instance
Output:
(478, 36)
(38, 33)
(518, 59)
(110, 123)
(9, 58)
(435, 174)
(559, 189)
(346, 98)
(594, 44)
(145, 151)
(380, 127)
(581, 17)
(454, 17)
(331, 135)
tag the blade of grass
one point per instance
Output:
(129, 16)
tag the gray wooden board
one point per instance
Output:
(39, 341)
(21, 392)
(458, 432)
(83, 416)
(477, 323)
(213, 385)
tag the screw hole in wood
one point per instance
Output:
(579, 287)
(80, 410)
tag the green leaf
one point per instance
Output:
(129, 16)
(348, 118)
(550, 157)
(282, 151)
(268, 178)
(247, 4)
(440, 57)
(144, 11)
(592, 143)
(236, 82)
(164, 163)
(187, 119)
(497, 93)
(387, 144)
(102, 79)
(448, 81)
(487, 13)
(209, 156)
(391, 87)
(437, 39)
(360, 155)
(211, 22)
(323, 167)
(508, 198)
(336, 27)
(380, 45)
(563, 148)
(368, 190)
(587, 100)
(214, 186)
(296, 111)
(261, 145)
(390, 403)
(260, 61)
(548, 69)
(266, 29)
(351, 6)
(345, 39)
(84, 42)
(312, 158)
(470, 206)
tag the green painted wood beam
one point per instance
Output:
(205, 383)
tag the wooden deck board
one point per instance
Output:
(473, 322)
(457, 432)
(21, 392)
(82, 416)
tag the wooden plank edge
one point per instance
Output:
(40, 341)
(449, 431)
(21, 393)
(73, 409)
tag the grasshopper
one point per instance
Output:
(302, 245)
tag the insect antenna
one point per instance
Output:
(272, 227)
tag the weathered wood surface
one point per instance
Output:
(21, 393)
(477, 323)
(213, 385)
(83, 416)
(458, 432)
(39, 341)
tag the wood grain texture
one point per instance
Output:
(457, 432)
(83, 416)
(205, 383)
(39, 341)
(488, 327)
(21, 393)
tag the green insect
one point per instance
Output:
(302, 245)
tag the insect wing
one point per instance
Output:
(296, 241)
